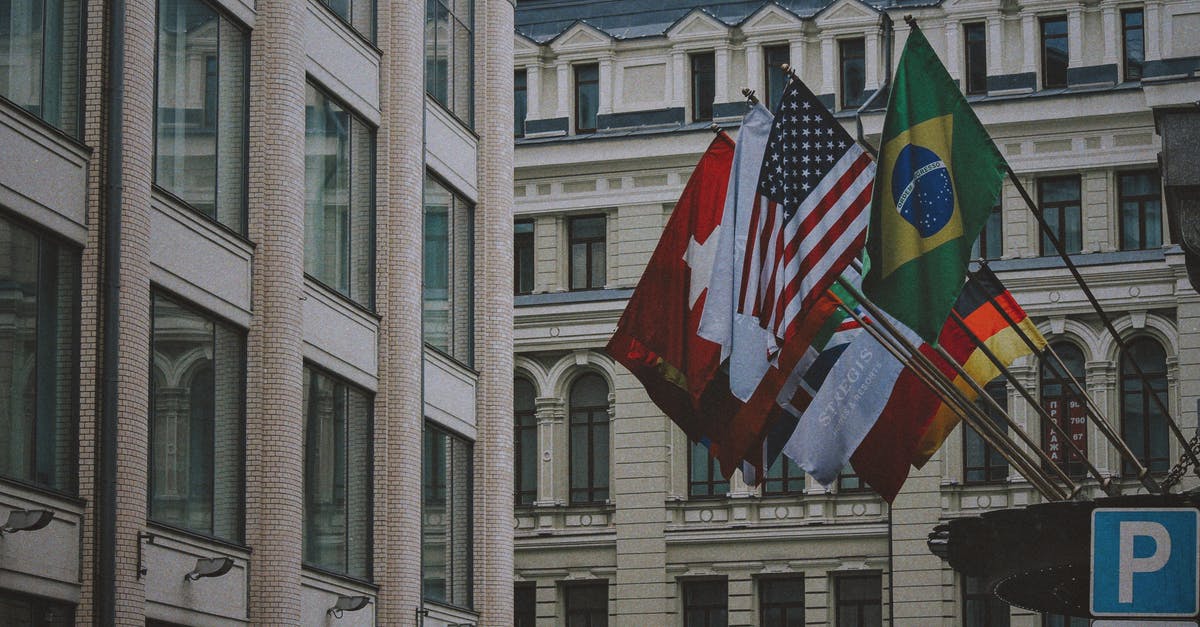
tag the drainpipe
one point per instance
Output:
(105, 590)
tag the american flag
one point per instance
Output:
(810, 213)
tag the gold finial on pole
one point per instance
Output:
(749, 94)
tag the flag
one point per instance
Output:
(809, 214)
(656, 337)
(939, 176)
(915, 421)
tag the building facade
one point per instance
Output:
(619, 519)
(256, 312)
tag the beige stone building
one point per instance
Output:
(619, 519)
(255, 312)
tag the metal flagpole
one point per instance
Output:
(1093, 410)
(1053, 237)
(1105, 482)
(964, 409)
(954, 398)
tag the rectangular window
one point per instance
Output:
(525, 605)
(853, 71)
(1054, 52)
(981, 462)
(976, 57)
(339, 208)
(783, 477)
(859, 600)
(781, 602)
(449, 52)
(587, 97)
(523, 257)
(449, 271)
(197, 413)
(520, 103)
(705, 603)
(200, 119)
(588, 263)
(359, 14)
(39, 358)
(1140, 203)
(776, 79)
(980, 608)
(587, 604)
(990, 243)
(40, 43)
(704, 473)
(848, 481)
(1133, 39)
(337, 474)
(446, 507)
(704, 86)
(1060, 202)
(24, 609)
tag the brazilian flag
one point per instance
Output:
(938, 177)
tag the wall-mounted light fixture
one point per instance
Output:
(26, 520)
(210, 567)
(348, 604)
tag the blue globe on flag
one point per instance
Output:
(923, 190)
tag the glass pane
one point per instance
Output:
(230, 97)
(1054, 52)
(587, 96)
(853, 72)
(327, 191)
(599, 263)
(703, 86)
(1134, 40)
(587, 228)
(446, 529)
(39, 59)
(976, 56)
(590, 390)
(448, 293)
(18, 357)
(362, 213)
(520, 103)
(773, 58)
(325, 472)
(359, 453)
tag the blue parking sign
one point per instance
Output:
(1145, 562)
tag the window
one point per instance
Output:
(1143, 426)
(781, 602)
(1059, 199)
(525, 446)
(24, 609)
(525, 605)
(848, 481)
(1062, 620)
(1141, 209)
(449, 52)
(39, 358)
(587, 604)
(853, 71)
(197, 412)
(337, 474)
(776, 79)
(520, 103)
(40, 59)
(1065, 406)
(523, 257)
(587, 97)
(449, 271)
(990, 243)
(859, 600)
(704, 473)
(980, 607)
(783, 477)
(1054, 52)
(200, 118)
(589, 440)
(1133, 43)
(359, 14)
(339, 207)
(704, 90)
(976, 57)
(587, 262)
(981, 462)
(446, 528)
(705, 603)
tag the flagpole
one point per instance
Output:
(1105, 482)
(963, 408)
(1053, 237)
(1093, 410)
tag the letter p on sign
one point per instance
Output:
(1145, 562)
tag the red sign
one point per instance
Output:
(1073, 421)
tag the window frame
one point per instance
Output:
(520, 245)
(711, 485)
(848, 482)
(520, 491)
(1060, 207)
(590, 619)
(844, 58)
(1054, 81)
(370, 37)
(771, 98)
(970, 597)
(1049, 373)
(432, 426)
(588, 492)
(1148, 407)
(840, 602)
(994, 466)
(578, 84)
(69, 125)
(520, 95)
(710, 602)
(788, 484)
(572, 240)
(1141, 200)
(1126, 74)
(469, 25)
(981, 249)
(703, 74)
(792, 602)
(523, 615)
(39, 605)
(468, 210)
(972, 57)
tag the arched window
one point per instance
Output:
(589, 440)
(1143, 426)
(1063, 402)
(524, 442)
